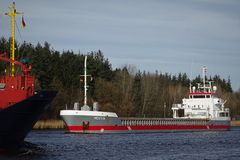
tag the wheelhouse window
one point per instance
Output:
(199, 96)
(224, 114)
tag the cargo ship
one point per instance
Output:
(202, 110)
(20, 105)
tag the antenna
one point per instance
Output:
(190, 77)
(204, 70)
(12, 13)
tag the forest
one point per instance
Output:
(127, 91)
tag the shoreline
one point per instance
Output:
(49, 124)
(59, 124)
(235, 123)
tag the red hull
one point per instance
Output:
(153, 128)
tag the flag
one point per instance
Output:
(23, 23)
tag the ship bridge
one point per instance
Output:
(202, 102)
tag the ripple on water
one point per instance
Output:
(55, 145)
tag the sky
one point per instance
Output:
(168, 36)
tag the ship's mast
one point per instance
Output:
(12, 13)
(85, 106)
(85, 81)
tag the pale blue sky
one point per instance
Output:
(166, 35)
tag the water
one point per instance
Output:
(56, 145)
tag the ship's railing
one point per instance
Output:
(161, 121)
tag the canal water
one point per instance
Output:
(57, 145)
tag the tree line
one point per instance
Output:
(126, 91)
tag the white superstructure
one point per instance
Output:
(202, 103)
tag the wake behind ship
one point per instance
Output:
(20, 105)
(201, 111)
